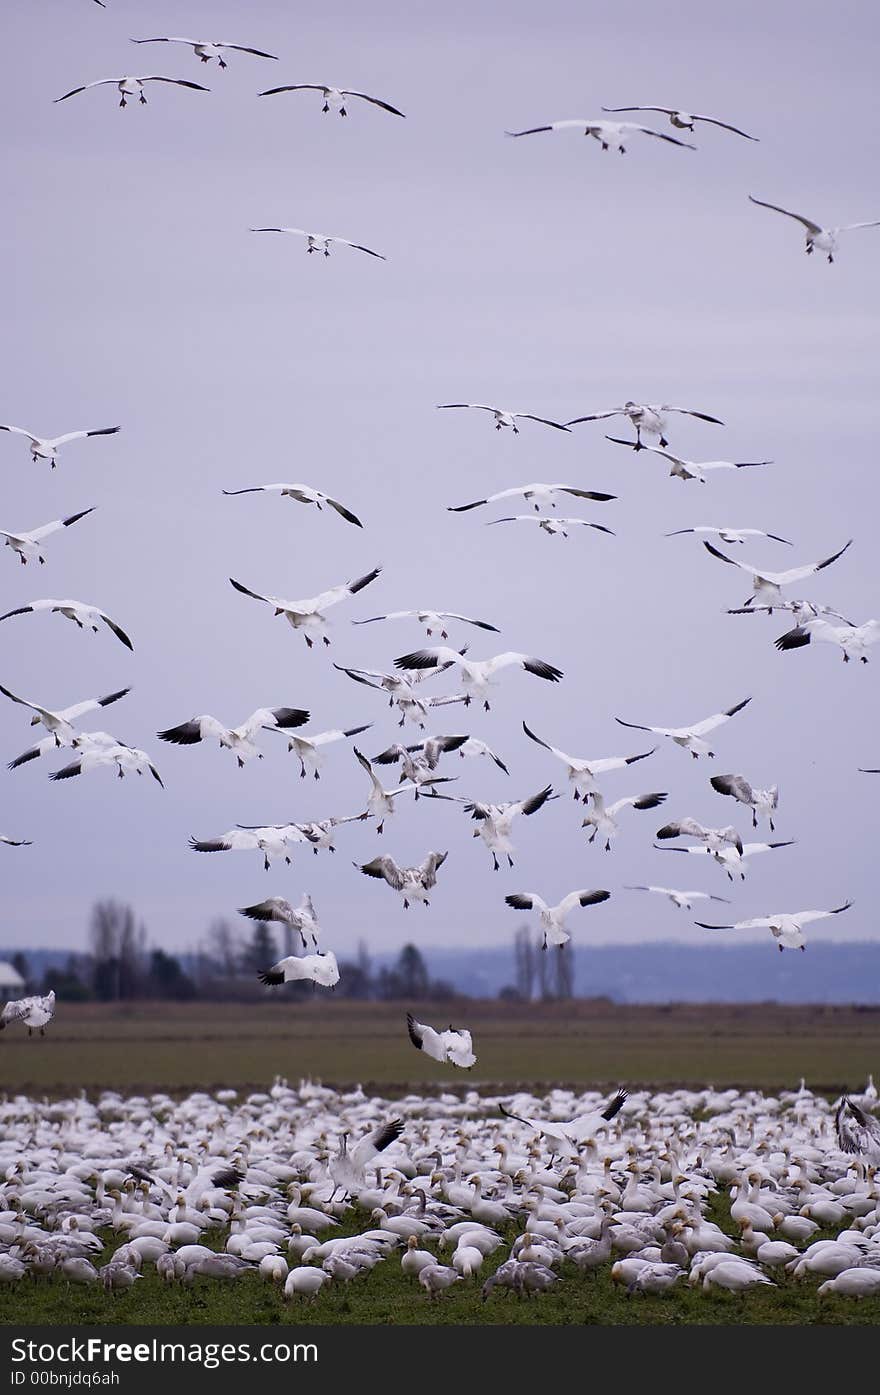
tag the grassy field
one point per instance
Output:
(171, 1047)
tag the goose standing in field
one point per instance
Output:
(80, 612)
(303, 494)
(15, 842)
(46, 448)
(857, 1132)
(817, 236)
(786, 929)
(685, 120)
(412, 883)
(270, 839)
(730, 535)
(494, 821)
(647, 419)
(131, 86)
(348, 1170)
(308, 614)
(302, 918)
(715, 839)
(27, 545)
(767, 586)
(610, 134)
(453, 1045)
(431, 619)
(380, 802)
(241, 739)
(582, 773)
(553, 526)
(307, 748)
(503, 416)
(602, 818)
(729, 857)
(852, 640)
(553, 917)
(31, 1012)
(763, 802)
(538, 495)
(60, 724)
(477, 675)
(684, 900)
(320, 242)
(690, 469)
(566, 1136)
(320, 968)
(691, 738)
(335, 98)
(206, 49)
(428, 753)
(127, 759)
(402, 691)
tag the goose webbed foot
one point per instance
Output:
(142, 99)
(663, 441)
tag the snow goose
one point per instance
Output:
(453, 1044)
(609, 134)
(206, 49)
(602, 818)
(715, 839)
(305, 1281)
(766, 585)
(303, 494)
(27, 545)
(816, 236)
(132, 86)
(564, 1137)
(308, 614)
(734, 1276)
(60, 724)
(729, 857)
(852, 640)
(15, 842)
(503, 417)
(682, 899)
(334, 97)
(402, 692)
(241, 739)
(31, 1012)
(431, 619)
(321, 242)
(270, 839)
(46, 447)
(348, 1169)
(302, 918)
(434, 1278)
(82, 614)
(690, 469)
(857, 1132)
(413, 1260)
(690, 738)
(685, 120)
(787, 929)
(321, 832)
(412, 883)
(538, 495)
(93, 754)
(467, 1260)
(553, 917)
(730, 535)
(380, 802)
(646, 418)
(319, 968)
(307, 748)
(762, 802)
(582, 772)
(552, 526)
(494, 821)
(477, 675)
(427, 754)
(852, 1283)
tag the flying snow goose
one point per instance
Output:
(270, 839)
(15, 842)
(453, 1045)
(308, 614)
(685, 120)
(302, 918)
(303, 494)
(31, 1012)
(857, 1132)
(494, 821)
(206, 49)
(691, 738)
(433, 748)
(321, 832)
(380, 802)
(84, 615)
(412, 883)
(728, 857)
(852, 640)
(786, 929)
(730, 535)
(759, 801)
(503, 416)
(239, 739)
(608, 133)
(816, 236)
(92, 756)
(307, 748)
(320, 968)
(60, 724)
(682, 899)
(582, 773)
(46, 448)
(538, 495)
(348, 1169)
(552, 525)
(646, 418)
(402, 691)
(715, 839)
(320, 242)
(553, 917)
(130, 86)
(690, 469)
(767, 586)
(477, 675)
(334, 97)
(27, 545)
(565, 1136)
(431, 619)
(603, 819)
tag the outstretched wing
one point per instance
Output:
(810, 226)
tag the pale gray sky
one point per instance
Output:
(540, 273)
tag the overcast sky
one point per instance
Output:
(542, 274)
